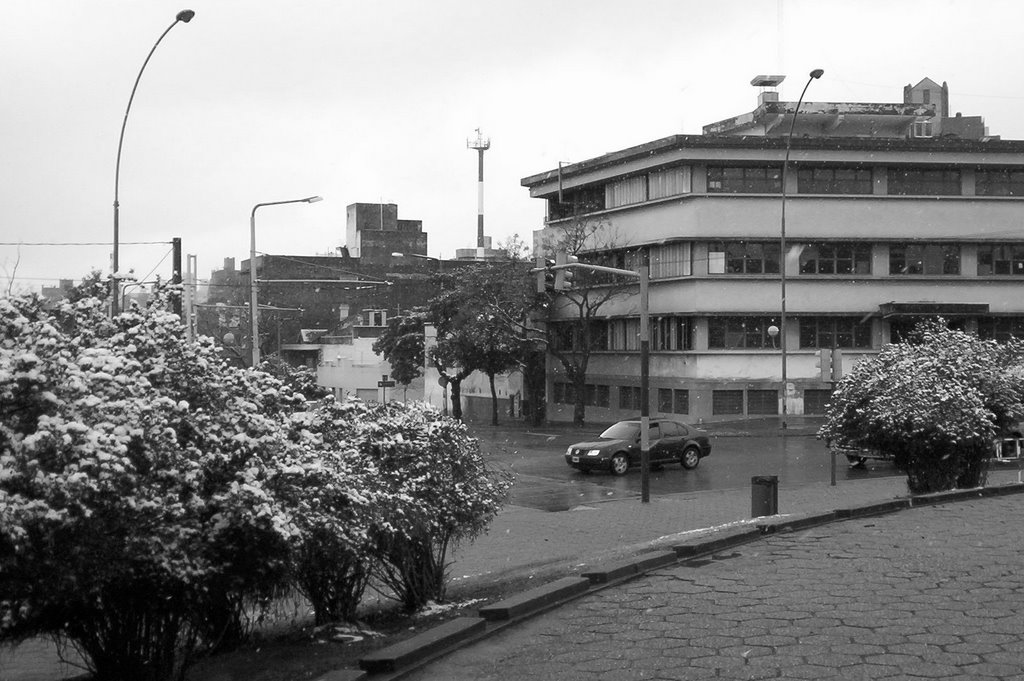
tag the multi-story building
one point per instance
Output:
(893, 212)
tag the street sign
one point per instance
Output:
(385, 384)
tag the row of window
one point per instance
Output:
(762, 257)
(767, 179)
(670, 400)
(675, 333)
(677, 401)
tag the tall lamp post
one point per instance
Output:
(814, 75)
(254, 310)
(184, 16)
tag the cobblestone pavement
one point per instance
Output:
(926, 593)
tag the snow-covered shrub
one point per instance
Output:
(134, 507)
(330, 492)
(936, 403)
(434, 490)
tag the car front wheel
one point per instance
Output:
(619, 464)
(689, 458)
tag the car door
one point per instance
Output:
(671, 443)
(654, 440)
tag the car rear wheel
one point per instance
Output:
(689, 458)
(619, 464)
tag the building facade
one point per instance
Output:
(894, 212)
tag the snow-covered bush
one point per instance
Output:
(150, 493)
(936, 403)
(435, 490)
(332, 496)
(134, 511)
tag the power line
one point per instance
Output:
(81, 243)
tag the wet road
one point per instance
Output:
(544, 481)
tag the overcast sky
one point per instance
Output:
(257, 101)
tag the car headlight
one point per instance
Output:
(568, 452)
(594, 452)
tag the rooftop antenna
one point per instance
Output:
(481, 144)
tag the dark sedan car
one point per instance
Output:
(618, 447)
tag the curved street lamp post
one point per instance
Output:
(254, 310)
(814, 75)
(184, 16)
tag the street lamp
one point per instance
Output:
(814, 75)
(440, 263)
(184, 16)
(254, 310)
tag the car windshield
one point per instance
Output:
(622, 431)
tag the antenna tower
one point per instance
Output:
(481, 144)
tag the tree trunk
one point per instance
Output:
(456, 397)
(579, 388)
(494, 400)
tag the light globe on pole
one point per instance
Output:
(184, 16)
(814, 75)
(254, 310)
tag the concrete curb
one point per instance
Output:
(702, 546)
(630, 567)
(421, 646)
(535, 599)
(407, 655)
(795, 523)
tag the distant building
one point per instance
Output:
(58, 292)
(374, 232)
(895, 212)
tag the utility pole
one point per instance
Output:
(176, 274)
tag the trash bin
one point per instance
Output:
(764, 495)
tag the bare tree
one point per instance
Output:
(575, 327)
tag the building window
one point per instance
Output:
(629, 397)
(670, 333)
(922, 128)
(743, 257)
(736, 333)
(669, 182)
(1000, 328)
(999, 183)
(836, 258)
(917, 182)
(671, 260)
(745, 180)
(625, 192)
(577, 201)
(762, 402)
(834, 332)
(937, 259)
(816, 400)
(597, 395)
(373, 318)
(726, 402)
(624, 334)
(673, 401)
(834, 181)
(593, 395)
(1001, 259)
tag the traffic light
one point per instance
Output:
(564, 278)
(545, 276)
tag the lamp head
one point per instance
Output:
(817, 73)
(185, 15)
(313, 199)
